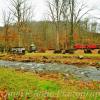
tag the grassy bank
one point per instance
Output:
(78, 59)
(45, 86)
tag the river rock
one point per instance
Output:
(80, 56)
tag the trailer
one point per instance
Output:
(18, 50)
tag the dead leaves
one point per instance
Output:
(3, 95)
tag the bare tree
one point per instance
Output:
(81, 10)
(55, 8)
(44, 30)
(94, 26)
(73, 12)
(7, 21)
(22, 13)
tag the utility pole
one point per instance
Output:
(72, 25)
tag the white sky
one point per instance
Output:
(40, 8)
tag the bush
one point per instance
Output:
(42, 50)
(98, 51)
(87, 51)
(57, 51)
(70, 51)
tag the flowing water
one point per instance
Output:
(83, 72)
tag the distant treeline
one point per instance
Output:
(43, 35)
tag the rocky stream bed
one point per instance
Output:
(83, 73)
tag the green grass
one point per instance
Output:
(92, 55)
(15, 81)
(28, 82)
(54, 55)
(62, 55)
(31, 84)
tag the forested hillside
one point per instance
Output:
(43, 35)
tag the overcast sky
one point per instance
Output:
(40, 8)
